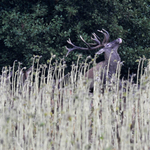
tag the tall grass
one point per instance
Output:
(36, 116)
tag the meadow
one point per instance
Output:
(47, 112)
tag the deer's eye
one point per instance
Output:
(109, 45)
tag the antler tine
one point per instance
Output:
(69, 42)
(76, 47)
(71, 49)
(106, 36)
(85, 42)
(104, 40)
(96, 38)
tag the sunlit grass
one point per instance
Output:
(35, 115)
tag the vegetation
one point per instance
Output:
(70, 117)
(42, 28)
(44, 113)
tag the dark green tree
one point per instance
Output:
(30, 28)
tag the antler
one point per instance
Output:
(95, 38)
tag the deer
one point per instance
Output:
(111, 56)
(105, 69)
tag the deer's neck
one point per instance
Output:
(111, 60)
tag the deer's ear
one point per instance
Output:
(100, 51)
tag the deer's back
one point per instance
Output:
(90, 73)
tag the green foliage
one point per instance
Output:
(30, 28)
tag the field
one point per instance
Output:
(37, 115)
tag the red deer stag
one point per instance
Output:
(111, 55)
